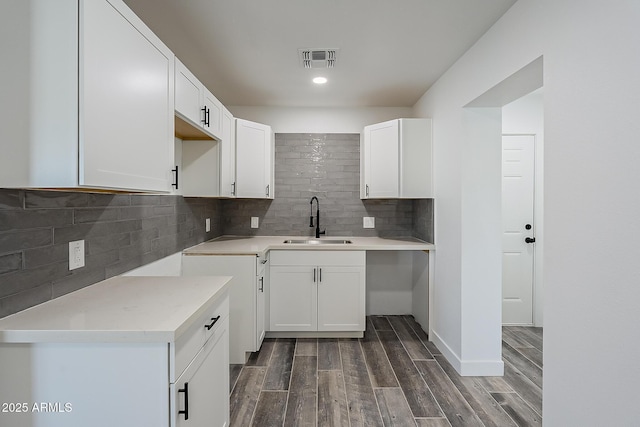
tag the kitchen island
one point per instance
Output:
(125, 351)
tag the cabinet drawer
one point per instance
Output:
(317, 257)
(189, 343)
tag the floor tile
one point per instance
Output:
(393, 376)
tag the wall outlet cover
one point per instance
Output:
(207, 225)
(254, 222)
(368, 222)
(76, 254)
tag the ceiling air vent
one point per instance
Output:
(318, 58)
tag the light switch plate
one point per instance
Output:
(76, 254)
(207, 225)
(368, 222)
(254, 222)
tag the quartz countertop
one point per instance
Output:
(119, 309)
(259, 245)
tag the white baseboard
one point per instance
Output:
(468, 368)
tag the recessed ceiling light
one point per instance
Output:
(320, 80)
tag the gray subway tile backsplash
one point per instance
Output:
(125, 231)
(326, 166)
(121, 232)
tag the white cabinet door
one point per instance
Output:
(126, 137)
(396, 160)
(381, 160)
(228, 155)
(201, 394)
(341, 298)
(212, 113)
(188, 95)
(293, 298)
(254, 160)
(96, 99)
(261, 299)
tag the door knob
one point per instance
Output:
(528, 226)
(529, 239)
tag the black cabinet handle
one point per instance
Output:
(261, 288)
(529, 239)
(185, 390)
(213, 322)
(207, 112)
(175, 184)
(233, 189)
(314, 275)
(319, 274)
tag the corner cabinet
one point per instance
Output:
(317, 291)
(88, 100)
(254, 160)
(396, 160)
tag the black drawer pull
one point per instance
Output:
(213, 322)
(185, 390)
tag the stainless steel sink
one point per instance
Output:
(317, 242)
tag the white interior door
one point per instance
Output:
(517, 228)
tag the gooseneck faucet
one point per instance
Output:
(318, 232)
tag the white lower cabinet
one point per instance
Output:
(247, 297)
(317, 291)
(201, 393)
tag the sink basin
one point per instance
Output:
(318, 242)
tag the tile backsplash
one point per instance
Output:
(125, 231)
(121, 232)
(326, 166)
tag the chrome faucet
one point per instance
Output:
(318, 232)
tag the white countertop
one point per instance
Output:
(258, 245)
(120, 309)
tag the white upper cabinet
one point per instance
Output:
(396, 160)
(254, 160)
(195, 104)
(88, 99)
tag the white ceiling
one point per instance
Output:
(390, 52)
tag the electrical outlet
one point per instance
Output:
(76, 254)
(254, 222)
(368, 222)
(207, 225)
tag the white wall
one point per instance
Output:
(389, 282)
(591, 203)
(319, 120)
(525, 116)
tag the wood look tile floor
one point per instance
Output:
(391, 377)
